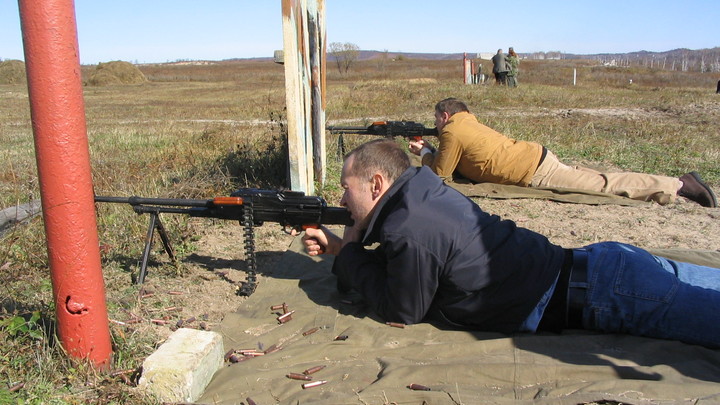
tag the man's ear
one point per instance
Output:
(378, 185)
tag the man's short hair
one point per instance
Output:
(451, 106)
(383, 155)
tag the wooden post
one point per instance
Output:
(304, 60)
(467, 69)
(317, 36)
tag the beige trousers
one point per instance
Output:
(638, 186)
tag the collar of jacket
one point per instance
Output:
(371, 233)
(458, 117)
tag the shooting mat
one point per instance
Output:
(377, 362)
(565, 195)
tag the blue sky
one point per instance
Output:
(147, 31)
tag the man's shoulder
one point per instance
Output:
(461, 121)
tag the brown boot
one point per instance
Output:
(695, 189)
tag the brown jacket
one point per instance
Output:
(482, 154)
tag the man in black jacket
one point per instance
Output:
(500, 67)
(440, 257)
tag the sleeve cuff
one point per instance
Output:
(424, 151)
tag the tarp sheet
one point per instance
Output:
(377, 362)
(566, 195)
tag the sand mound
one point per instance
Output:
(116, 72)
(12, 72)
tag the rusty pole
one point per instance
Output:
(63, 161)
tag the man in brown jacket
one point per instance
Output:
(482, 154)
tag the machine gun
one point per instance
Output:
(408, 129)
(252, 207)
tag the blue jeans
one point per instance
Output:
(633, 292)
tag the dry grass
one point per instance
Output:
(194, 131)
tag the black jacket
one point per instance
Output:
(440, 256)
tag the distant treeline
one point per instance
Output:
(684, 60)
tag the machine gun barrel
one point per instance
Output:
(346, 130)
(135, 200)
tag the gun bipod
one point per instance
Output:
(246, 288)
(155, 224)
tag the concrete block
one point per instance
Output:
(183, 366)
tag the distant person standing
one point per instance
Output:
(479, 76)
(513, 61)
(500, 69)
(718, 89)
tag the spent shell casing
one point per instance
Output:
(298, 376)
(313, 384)
(395, 324)
(279, 306)
(418, 387)
(285, 317)
(341, 337)
(272, 349)
(19, 385)
(125, 371)
(310, 331)
(237, 358)
(250, 401)
(313, 370)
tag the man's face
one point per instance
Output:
(358, 195)
(440, 120)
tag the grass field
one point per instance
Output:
(199, 131)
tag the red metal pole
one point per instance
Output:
(63, 160)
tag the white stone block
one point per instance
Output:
(183, 366)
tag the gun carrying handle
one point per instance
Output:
(315, 226)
